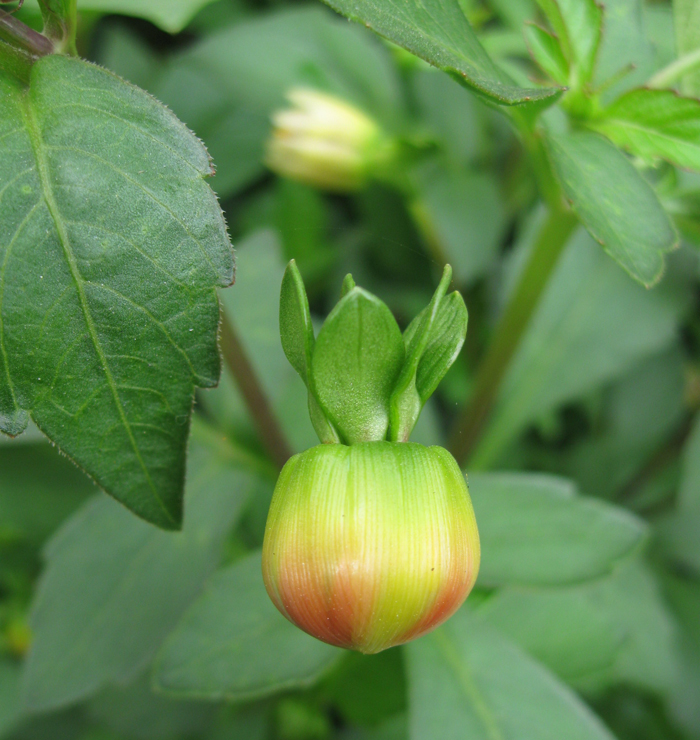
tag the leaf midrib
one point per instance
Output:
(38, 147)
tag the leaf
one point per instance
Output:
(578, 25)
(114, 586)
(546, 51)
(10, 706)
(595, 635)
(170, 15)
(234, 645)
(464, 213)
(689, 494)
(137, 713)
(38, 490)
(406, 399)
(686, 16)
(296, 330)
(114, 245)
(618, 207)
(592, 325)
(535, 530)
(357, 359)
(655, 124)
(298, 341)
(471, 682)
(438, 32)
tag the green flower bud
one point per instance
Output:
(325, 142)
(371, 540)
(370, 545)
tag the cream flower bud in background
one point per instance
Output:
(323, 141)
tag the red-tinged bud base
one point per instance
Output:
(371, 545)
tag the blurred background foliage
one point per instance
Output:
(586, 618)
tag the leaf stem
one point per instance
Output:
(253, 394)
(18, 34)
(550, 242)
(674, 71)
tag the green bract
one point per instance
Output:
(366, 381)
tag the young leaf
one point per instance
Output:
(615, 203)
(348, 285)
(296, 331)
(357, 359)
(472, 682)
(537, 531)
(546, 51)
(655, 124)
(578, 25)
(233, 644)
(298, 341)
(406, 402)
(112, 247)
(438, 31)
(114, 586)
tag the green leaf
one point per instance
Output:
(347, 286)
(464, 216)
(114, 246)
(137, 713)
(296, 330)
(535, 530)
(38, 490)
(615, 203)
(406, 400)
(438, 31)
(471, 682)
(595, 635)
(356, 362)
(546, 51)
(298, 341)
(578, 25)
(689, 494)
(592, 325)
(170, 15)
(686, 16)
(114, 586)
(233, 644)
(655, 124)
(10, 705)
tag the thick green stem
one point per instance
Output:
(254, 396)
(552, 238)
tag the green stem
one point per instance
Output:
(550, 242)
(254, 396)
(20, 47)
(674, 71)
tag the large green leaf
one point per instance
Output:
(112, 246)
(592, 325)
(115, 586)
(471, 682)
(438, 31)
(233, 644)
(594, 634)
(617, 206)
(38, 490)
(535, 530)
(655, 124)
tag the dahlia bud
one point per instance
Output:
(371, 540)
(325, 142)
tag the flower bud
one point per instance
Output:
(325, 142)
(370, 545)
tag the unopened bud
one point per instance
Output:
(370, 545)
(323, 141)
